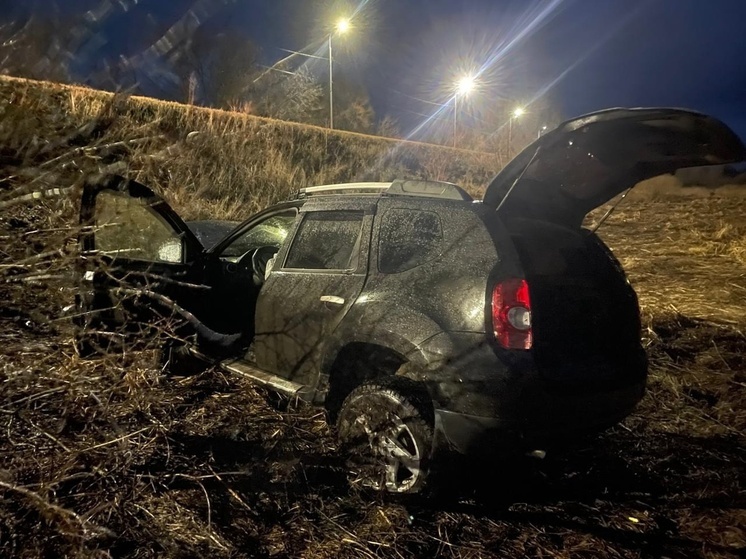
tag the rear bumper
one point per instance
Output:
(487, 397)
(548, 420)
(464, 433)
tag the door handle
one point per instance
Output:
(332, 299)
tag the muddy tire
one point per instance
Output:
(86, 348)
(386, 430)
(92, 346)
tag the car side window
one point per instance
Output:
(407, 239)
(327, 241)
(128, 227)
(271, 232)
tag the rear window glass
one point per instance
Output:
(407, 239)
(327, 241)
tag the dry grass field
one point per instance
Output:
(111, 458)
(210, 161)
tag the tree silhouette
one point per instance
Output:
(37, 47)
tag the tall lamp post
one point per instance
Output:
(342, 27)
(464, 86)
(517, 113)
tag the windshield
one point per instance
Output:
(271, 232)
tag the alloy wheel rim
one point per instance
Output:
(396, 450)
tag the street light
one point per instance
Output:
(464, 86)
(517, 113)
(342, 26)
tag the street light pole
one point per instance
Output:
(515, 114)
(331, 86)
(464, 86)
(510, 136)
(455, 118)
(342, 27)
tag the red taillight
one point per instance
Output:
(511, 314)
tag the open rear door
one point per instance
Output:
(136, 266)
(588, 160)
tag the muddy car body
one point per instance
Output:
(420, 318)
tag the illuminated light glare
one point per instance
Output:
(465, 85)
(476, 311)
(613, 32)
(534, 23)
(343, 25)
(533, 20)
(520, 111)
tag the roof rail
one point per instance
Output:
(399, 187)
(370, 187)
(428, 189)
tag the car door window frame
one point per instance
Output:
(357, 249)
(241, 232)
(129, 207)
(252, 222)
(191, 247)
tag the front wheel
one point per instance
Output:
(96, 345)
(386, 428)
(174, 358)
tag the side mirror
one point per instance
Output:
(270, 265)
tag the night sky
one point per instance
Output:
(582, 55)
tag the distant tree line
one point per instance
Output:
(194, 63)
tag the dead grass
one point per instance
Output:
(240, 163)
(110, 458)
(683, 255)
(669, 186)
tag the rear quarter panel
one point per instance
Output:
(449, 289)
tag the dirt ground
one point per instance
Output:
(112, 458)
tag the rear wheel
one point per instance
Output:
(385, 427)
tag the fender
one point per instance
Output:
(401, 330)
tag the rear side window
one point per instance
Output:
(407, 239)
(327, 241)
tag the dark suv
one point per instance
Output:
(420, 318)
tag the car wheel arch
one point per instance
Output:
(357, 362)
